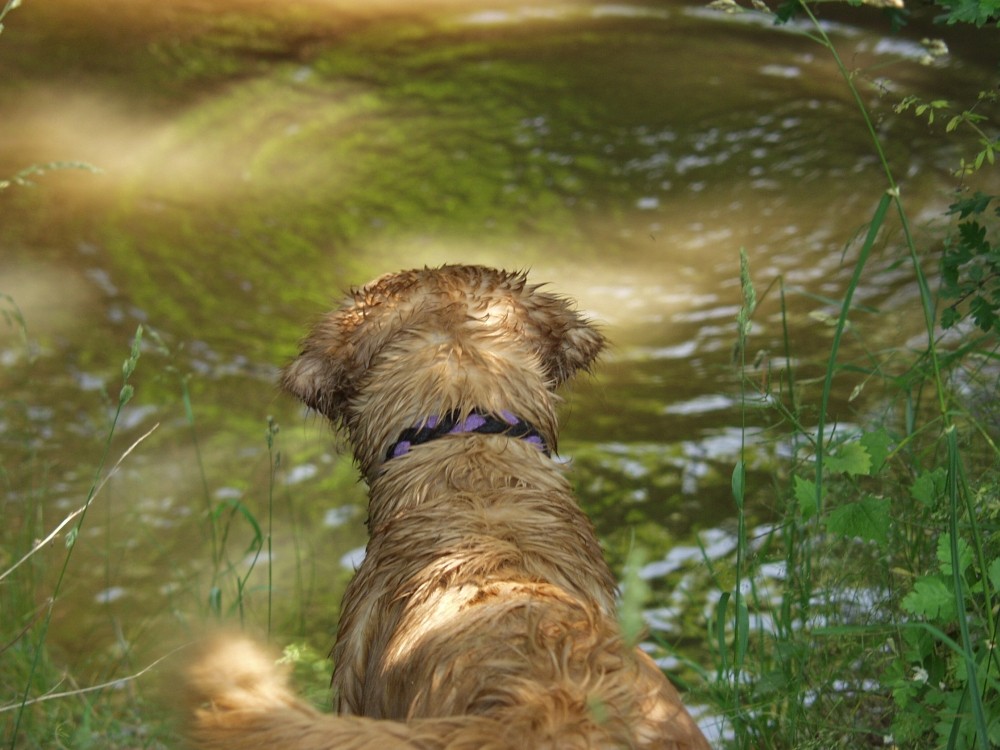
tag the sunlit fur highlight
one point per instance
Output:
(483, 614)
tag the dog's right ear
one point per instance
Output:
(341, 346)
(320, 375)
(335, 355)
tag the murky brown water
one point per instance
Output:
(257, 157)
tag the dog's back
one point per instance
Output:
(483, 613)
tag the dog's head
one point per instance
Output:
(404, 336)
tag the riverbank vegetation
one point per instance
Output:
(883, 630)
(864, 613)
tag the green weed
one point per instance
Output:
(883, 631)
(50, 709)
(28, 672)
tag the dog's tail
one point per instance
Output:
(238, 699)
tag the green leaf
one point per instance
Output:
(805, 494)
(720, 631)
(974, 204)
(972, 234)
(949, 317)
(770, 684)
(235, 506)
(877, 445)
(930, 598)
(994, 574)
(984, 313)
(929, 487)
(865, 519)
(908, 727)
(851, 459)
(944, 554)
(978, 12)
(785, 12)
(739, 483)
(904, 691)
(994, 732)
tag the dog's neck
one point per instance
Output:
(455, 422)
(405, 387)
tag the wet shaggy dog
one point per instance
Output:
(483, 615)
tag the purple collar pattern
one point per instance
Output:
(454, 423)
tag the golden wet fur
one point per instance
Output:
(483, 615)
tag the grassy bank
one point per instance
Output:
(880, 627)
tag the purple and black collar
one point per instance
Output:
(454, 423)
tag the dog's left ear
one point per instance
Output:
(567, 341)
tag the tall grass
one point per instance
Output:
(913, 663)
(50, 710)
(124, 396)
(26, 643)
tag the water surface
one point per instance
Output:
(257, 157)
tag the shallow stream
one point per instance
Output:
(258, 157)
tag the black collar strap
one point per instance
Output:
(454, 423)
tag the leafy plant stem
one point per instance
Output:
(206, 493)
(955, 486)
(954, 490)
(275, 463)
(876, 224)
(741, 628)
